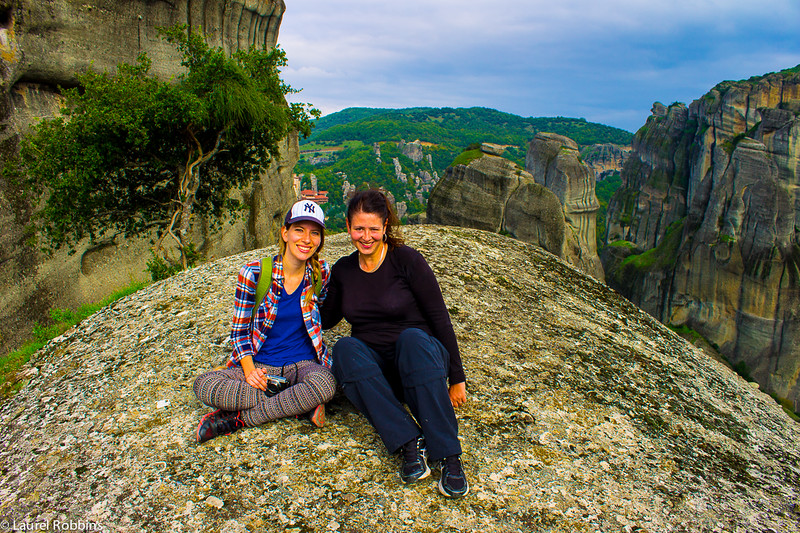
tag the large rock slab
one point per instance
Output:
(584, 414)
(475, 195)
(494, 194)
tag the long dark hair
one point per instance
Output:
(375, 202)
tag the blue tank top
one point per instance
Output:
(288, 341)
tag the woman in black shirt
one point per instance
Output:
(403, 347)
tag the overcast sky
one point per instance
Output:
(604, 60)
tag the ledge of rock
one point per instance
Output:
(584, 414)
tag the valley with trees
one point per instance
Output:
(342, 148)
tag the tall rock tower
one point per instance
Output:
(707, 224)
(554, 161)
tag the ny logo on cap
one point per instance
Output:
(308, 207)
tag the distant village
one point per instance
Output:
(314, 194)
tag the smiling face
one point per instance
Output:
(302, 240)
(366, 231)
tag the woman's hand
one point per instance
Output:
(458, 394)
(256, 379)
(254, 376)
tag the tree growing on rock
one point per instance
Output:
(131, 152)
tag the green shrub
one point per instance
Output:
(730, 145)
(622, 244)
(466, 157)
(161, 268)
(788, 407)
(743, 370)
(665, 254)
(685, 331)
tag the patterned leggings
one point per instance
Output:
(227, 389)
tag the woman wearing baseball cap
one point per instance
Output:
(277, 343)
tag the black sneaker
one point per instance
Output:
(218, 423)
(415, 461)
(453, 482)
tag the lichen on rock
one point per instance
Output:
(584, 414)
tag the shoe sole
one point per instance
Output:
(318, 417)
(449, 495)
(200, 424)
(424, 475)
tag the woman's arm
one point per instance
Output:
(254, 376)
(458, 394)
(243, 304)
(331, 308)
(428, 296)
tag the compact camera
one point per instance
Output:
(276, 384)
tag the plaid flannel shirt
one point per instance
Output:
(248, 342)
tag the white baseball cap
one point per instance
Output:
(305, 210)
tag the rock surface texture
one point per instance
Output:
(710, 196)
(584, 414)
(43, 43)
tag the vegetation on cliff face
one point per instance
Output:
(788, 74)
(465, 157)
(133, 152)
(663, 255)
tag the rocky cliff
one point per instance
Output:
(707, 223)
(42, 44)
(605, 159)
(491, 193)
(584, 414)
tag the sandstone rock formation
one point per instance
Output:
(584, 414)
(42, 44)
(492, 193)
(710, 196)
(605, 159)
(412, 150)
(554, 161)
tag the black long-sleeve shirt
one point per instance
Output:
(402, 293)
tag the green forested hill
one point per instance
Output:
(455, 127)
(341, 147)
